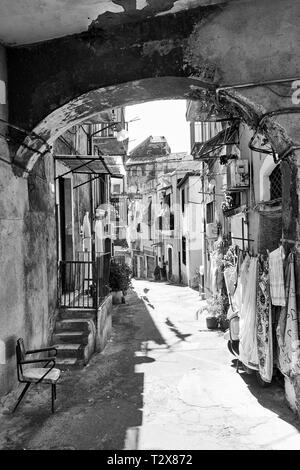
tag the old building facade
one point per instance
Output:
(58, 78)
(69, 228)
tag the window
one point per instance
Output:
(210, 212)
(150, 219)
(236, 199)
(160, 223)
(275, 183)
(116, 188)
(183, 250)
(182, 200)
(102, 184)
(138, 228)
(171, 221)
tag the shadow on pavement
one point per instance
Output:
(99, 407)
(175, 330)
(271, 397)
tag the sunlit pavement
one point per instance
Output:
(163, 382)
(193, 397)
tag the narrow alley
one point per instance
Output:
(149, 225)
(163, 382)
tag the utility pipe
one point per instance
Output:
(253, 84)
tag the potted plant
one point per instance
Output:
(227, 204)
(216, 311)
(119, 280)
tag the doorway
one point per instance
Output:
(170, 270)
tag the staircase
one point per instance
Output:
(74, 337)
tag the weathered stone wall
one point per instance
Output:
(27, 255)
(13, 202)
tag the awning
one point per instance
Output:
(91, 165)
(110, 145)
(210, 148)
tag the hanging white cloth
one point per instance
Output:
(248, 339)
(99, 236)
(237, 298)
(277, 289)
(87, 248)
(230, 276)
(87, 234)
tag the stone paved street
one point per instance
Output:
(163, 382)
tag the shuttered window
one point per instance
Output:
(275, 183)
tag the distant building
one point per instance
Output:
(240, 185)
(158, 228)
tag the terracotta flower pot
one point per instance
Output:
(212, 323)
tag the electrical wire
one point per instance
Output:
(23, 169)
(28, 133)
(276, 112)
(276, 92)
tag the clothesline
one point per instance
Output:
(261, 285)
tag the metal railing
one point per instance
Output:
(83, 283)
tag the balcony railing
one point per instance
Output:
(83, 283)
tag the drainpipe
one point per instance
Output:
(254, 84)
(204, 275)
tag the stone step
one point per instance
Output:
(69, 363)
(69, 351)
(70, 337)
(72, 325)
(77, 313)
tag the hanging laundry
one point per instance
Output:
(237, 298)
(99, 236)
(230, 275)
(264, 322)
(87, 235)
(277, 289)
(214, 275)
(287, 329)
(247, 313)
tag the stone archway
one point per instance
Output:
(95, 101)
(53, 83)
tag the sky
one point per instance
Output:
(159, 118)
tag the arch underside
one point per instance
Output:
(160, 88)
(62, 82)
(96, 101)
